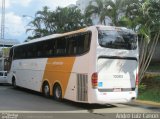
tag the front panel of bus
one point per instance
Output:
(117, 66)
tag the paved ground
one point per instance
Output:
(26, 102)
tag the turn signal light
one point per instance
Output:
(94, 80)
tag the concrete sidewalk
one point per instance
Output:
(153, 73)
(145, 103)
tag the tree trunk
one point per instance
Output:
(146, 54)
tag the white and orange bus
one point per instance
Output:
(97, 64)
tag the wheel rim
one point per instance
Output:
(46, 90)
(58, 92)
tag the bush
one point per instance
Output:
(149, 89)
(142, 88)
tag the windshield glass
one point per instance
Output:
(117, 39)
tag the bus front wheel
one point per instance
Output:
(57, 92)
(14, 82)
(46, 89)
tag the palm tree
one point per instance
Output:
(150, 28)
(114, 9)
(68, 19)
(41, 25)
(61, 20)
(46, 18)
(134, 15)
(97, 7)
(144, 17)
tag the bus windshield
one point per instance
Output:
(117, 39)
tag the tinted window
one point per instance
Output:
(70, 45)
(117, 39)
(83, 43)
(79, 43)
(10, 53)
(5, 74)
(1, 73)
(61, 46)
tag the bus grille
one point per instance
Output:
(82, 87)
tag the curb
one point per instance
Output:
(153, 73)
(147, 103)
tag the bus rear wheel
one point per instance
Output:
(57, 92)
(46, 89)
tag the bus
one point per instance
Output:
(96, 64)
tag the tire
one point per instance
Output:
(46, 89)
(14, 82)
(57, 92)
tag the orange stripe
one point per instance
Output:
(58, 70)
(74, 32)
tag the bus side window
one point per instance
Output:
(18, 53)
(29, 51)
(72, 45)
(34, 51)
(83, 43)
(80, 39)
(10, 54)
(44, 49)
(50, 48)
(53, 47)
(38, 54)
(61, 47)
(86, 42)
(78, 44)
(39, 50)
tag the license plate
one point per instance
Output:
(117, 90)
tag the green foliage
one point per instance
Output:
(151, 95)
(154, 67)
(97, 7)
(68, 19)
(142, 16)
(142, 88)
(6, 52)
(61, 20)
(118, 10)
(149, 89)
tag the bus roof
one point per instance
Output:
(51, 36)
(72, 32)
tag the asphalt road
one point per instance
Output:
(25, 102)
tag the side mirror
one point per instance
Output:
(7, 59)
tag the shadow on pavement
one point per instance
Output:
(67, 102)
(88, 106)
(4, 84)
